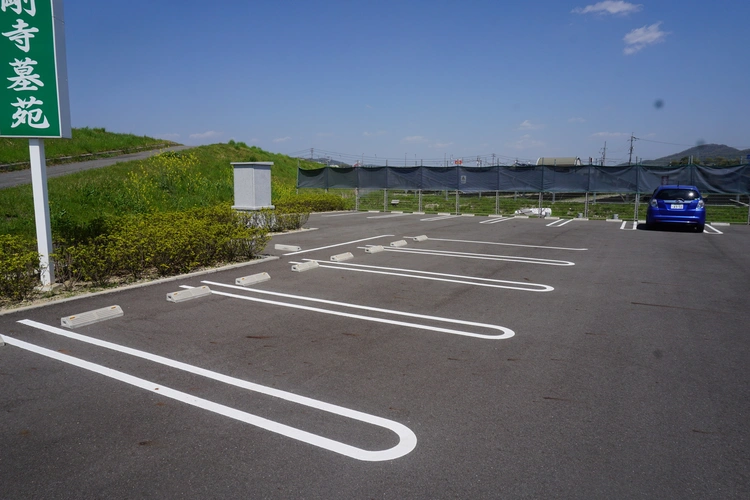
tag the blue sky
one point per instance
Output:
(416, 79)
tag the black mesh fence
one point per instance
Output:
(530, 179)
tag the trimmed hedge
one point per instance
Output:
(313, 202)
(163, 244)
(20, 268)
(132, 247)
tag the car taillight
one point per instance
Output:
(654, 203)
(701, 204)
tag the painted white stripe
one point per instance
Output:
(495, 220)
(481, 256)
(441, 217)
(709, 226)
(401, 214)
(507, 333)
(413, 273)
(407, 439)
(341, 215)
(623, 224)
(506, 244)
(339, 244)
(555, 222)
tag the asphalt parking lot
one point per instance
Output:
(498, 358)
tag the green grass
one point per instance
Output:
(85, 141)
(169, 182)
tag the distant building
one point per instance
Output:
(560, 161)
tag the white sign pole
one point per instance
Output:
(41, 210)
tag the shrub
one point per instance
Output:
(20, 268)
(313, 202)
(164, 244)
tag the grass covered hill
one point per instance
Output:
(167, 182)
(85, 141)
(705, 154)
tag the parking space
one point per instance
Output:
(434, 356)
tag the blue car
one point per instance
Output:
(676, 204)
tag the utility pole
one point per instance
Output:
(630, 157)
(604, 154)
(311, 153)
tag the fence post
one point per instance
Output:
(456, 201)
(420, 201)
(385, 200)
(637, 200)
(497, 202)
(356, 199)
(586, 205)
(540, 203)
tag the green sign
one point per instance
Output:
(33, 73)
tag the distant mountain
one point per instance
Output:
(705, 154)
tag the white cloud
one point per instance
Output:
(413, 139)
(441, 145)
(639, 38)
(282, 139)
(206, 135)
(610, 134)
(527, 125)
(576, 119)
(526, 142)
(609, 7)
(374, 134)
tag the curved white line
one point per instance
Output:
(465, 255)
(507, 244)
(407, 439)
(525, 287)
(507, 332)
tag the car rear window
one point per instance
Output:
(677, 194)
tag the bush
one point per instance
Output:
(276, 221)
(164, 244)
(20, 268)
(309, 202)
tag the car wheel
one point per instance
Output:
(700, 227)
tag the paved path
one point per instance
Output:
(18, 177)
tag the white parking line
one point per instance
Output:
(507, 244)
(441, 217)
(495, 220)
(339, 244)
(624, 224)
(414, 273)
(407, 439)
(560, 222)
(387, 216)
(507, 333)
(341, 215)
(482, 256)
(716, 231)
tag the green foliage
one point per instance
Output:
(19, 268)
(85, 141)
(314, 202)
(168, 182)
(163, 244)
(278, 220)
